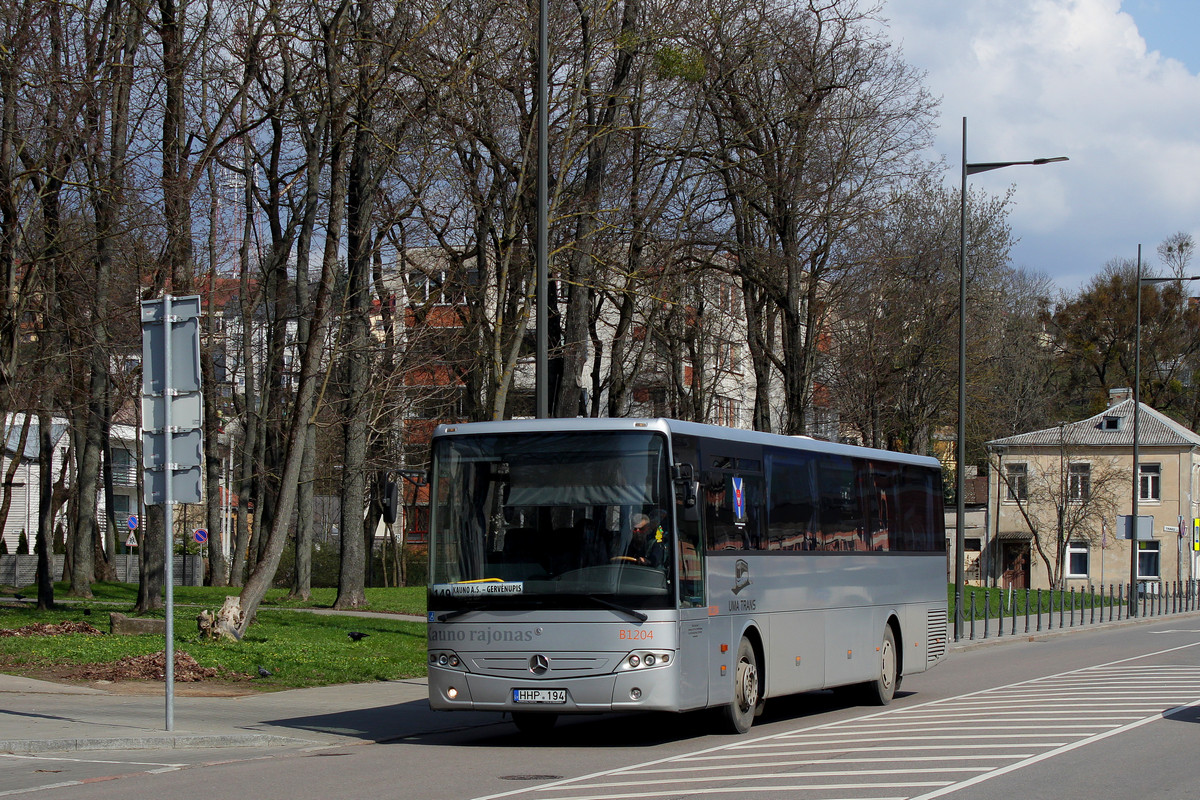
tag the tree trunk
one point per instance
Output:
(356, 407)
(45, 547)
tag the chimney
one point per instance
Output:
(1118, 396)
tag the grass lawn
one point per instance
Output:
(297, 647)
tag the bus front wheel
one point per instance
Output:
(880, 691)
(739, 715)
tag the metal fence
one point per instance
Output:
(21, 570)
(1012, 612)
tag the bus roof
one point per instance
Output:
(675, 426)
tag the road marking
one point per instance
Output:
(29, 757)
(1066, 749)
(873, 739)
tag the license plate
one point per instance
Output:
(539, 695)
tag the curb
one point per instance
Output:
(167, 742)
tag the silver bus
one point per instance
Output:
(580, 566)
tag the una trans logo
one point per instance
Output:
(741, 575)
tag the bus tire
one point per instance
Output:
(738, 716)
(532, 724)
(880, 691)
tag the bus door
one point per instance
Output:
(694, 634)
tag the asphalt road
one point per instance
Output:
(1102, 713)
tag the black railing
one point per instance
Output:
(990, 611)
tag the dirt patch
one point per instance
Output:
(152, 667)
(79, 675)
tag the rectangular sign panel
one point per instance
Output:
(187, 449)
(1145, 526)
(185, 345)
(187, 411)
(185, 485)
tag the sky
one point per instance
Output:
(1114, 85)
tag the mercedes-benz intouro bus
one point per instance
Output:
(581, 566)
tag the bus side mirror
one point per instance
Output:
(391, 502)
(691, 505)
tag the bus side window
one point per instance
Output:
(724, 495)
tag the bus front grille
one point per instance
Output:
(557, 667)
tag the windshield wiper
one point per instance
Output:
(458, 612)
(639, 616)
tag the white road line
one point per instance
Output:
(911, 747)
(797, 787)
(905, 758)
(89, 760)
(816, 762)
(85, 781)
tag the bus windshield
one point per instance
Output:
(551, 519)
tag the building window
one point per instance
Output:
(728, 412)
(726, 355)
(1077, 559)
(1150, 481)
(727, 298)
(1079, 482)
(1016, 479)
(1148, 561)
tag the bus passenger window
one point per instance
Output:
(733, 512)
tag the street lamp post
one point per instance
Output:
(961, 449)
(542, 347)
(1137, 413)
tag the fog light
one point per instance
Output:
(635, 693)
(634, 660)
(452, 693)
(649, 660)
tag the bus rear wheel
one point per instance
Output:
(880, 691)
(738, 716)
(532, 723)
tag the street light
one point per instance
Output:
(961, 450)
(1137, 413)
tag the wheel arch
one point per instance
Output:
(754, 635)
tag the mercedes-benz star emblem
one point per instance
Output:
(539, 664)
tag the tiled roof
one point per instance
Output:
(1153, 429)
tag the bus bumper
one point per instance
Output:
(639, 690)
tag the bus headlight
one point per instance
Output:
(645, 659)
(446, 658)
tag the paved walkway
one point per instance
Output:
(40, 716)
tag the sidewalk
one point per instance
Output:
(40, 716)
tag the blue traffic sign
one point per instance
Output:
(201, 536)
(133, 522)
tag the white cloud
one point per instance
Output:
(1064, 77)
